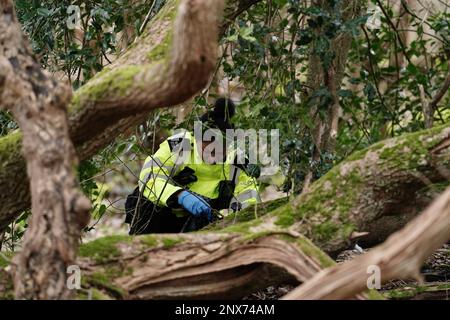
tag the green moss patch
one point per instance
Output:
(375, 295)
(107, 83)
(312, 250)
(103, 249)
(325, 231)
(404, 293)
(149, 240)
(170, 242)
(104, 282)
(10, 148)
(92, 294)
(162, 50)
(248, 214)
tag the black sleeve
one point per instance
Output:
(172, 202)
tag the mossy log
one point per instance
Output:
(164, 67)
(197, 266)
(429, 291)
(194, 266)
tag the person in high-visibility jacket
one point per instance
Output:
(183, 189)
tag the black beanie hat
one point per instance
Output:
(220, 116)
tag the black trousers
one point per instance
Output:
(144, 217)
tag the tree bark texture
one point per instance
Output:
(60, 209)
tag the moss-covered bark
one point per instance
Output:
(430, 291)
(14, 190)
(215, 265)
(189, 266)
(376, 190)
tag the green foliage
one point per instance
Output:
(14, 232)
(78, 38)
(379, 59)
(279, 47)
(7, 123)
(268, 52)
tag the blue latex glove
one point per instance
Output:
(195, 205)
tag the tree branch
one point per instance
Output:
(400, 257)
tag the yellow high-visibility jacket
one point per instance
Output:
(168, 161)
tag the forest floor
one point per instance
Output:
(436, 273)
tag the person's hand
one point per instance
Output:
(195, 205)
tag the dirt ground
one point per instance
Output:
(436, 272)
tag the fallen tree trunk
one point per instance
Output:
(209, 266)
(213, 265)
(400, 257)
(165, 67)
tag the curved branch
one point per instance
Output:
(172, 71)
(400, 257)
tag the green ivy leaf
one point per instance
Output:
(44, 12)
